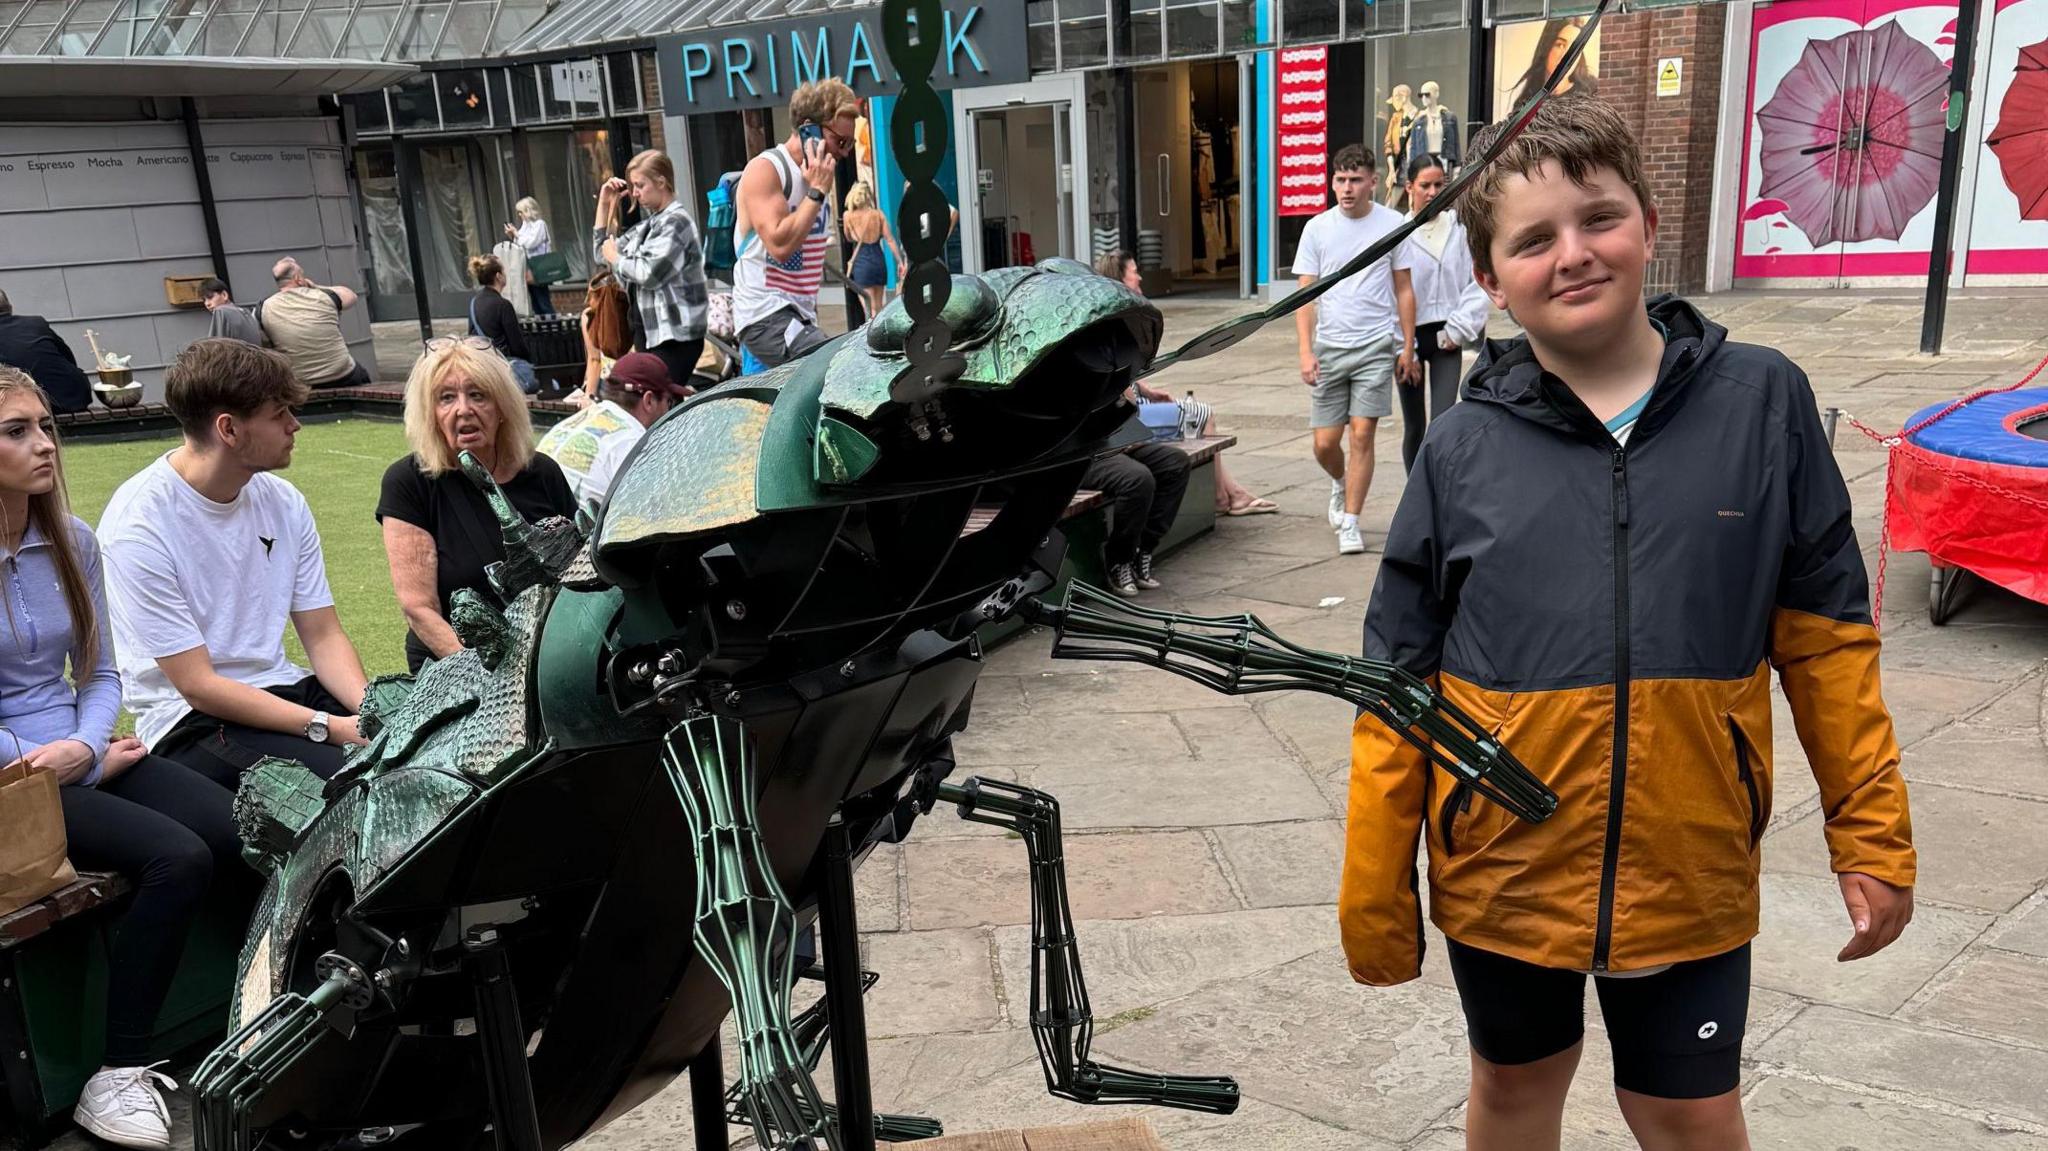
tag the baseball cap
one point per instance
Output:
(644, 372)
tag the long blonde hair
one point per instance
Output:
(527, 208)
(50, 513)
(488, 370)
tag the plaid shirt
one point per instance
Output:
(663, 259)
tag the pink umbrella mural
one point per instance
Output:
(1852, 137)
(2021, 139)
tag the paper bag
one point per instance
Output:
(32, 860)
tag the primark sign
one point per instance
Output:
(755, 65)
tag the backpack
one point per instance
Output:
(719, 220)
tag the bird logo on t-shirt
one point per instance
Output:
(268, 543)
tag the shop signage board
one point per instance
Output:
(759, 65)
(576, 82)
(1301, 130)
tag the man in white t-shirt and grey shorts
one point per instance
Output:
(1354, 340)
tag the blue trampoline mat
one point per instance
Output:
(1978, 431)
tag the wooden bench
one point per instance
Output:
(53, 995)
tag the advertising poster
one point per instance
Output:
(2009, 222)
(1302, 106)
(1842, 153)
(1524, 54)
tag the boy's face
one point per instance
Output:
(1568, 260)
(1352, 186)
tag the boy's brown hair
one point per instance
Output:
(214, 376)
(1351, 158)
(1580, 134)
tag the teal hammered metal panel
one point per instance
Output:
(709, 449)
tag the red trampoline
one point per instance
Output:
(1968, 485)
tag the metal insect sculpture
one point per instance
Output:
(570, 850)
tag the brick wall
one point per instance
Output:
(650, 97)
(1677, 133)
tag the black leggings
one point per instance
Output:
(171, 831)
(1441, 368)
(681, 358)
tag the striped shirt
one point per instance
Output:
(662, 258)
(764, 285)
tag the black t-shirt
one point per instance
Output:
(498, 320)
(450, 508)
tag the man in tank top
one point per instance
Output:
(783, 225)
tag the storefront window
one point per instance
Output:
(383, 223)
(371, 114)
(624, 74)
(563, 171)
(412, 104)
(463, 103)
(1191, 27)
(1040, 27)
(450, 221)
(525, 95)
(1084, 34)
(1148, 33)
(1240, 25)
(1303, 21)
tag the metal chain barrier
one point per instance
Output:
(1894, 442)
(919, 129)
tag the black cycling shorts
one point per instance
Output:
(1676, 1034)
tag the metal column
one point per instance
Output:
(1940, 257)
(196, 144)
(403, 159)
(839, 939)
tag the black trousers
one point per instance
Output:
(222, 751)
(681, 358)
(1144, 486)
(1440, 369)
(171, 831)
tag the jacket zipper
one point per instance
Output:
(1748, 776)
(1617, 780)
(21, 598)
(1460, 799)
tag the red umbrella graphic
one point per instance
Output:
(2021, 138)
(1852, 137)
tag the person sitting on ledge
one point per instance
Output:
(208, 557)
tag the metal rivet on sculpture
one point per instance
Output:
(572, 849)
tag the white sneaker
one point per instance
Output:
(1349, 541)
(1336, 504)
(123, 1106)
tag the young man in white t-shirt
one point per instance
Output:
(1354, 339)
(208, 556)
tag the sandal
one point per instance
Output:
(1255, 506)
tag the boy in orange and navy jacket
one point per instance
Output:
(1602, 554)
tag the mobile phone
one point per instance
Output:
(810, 131)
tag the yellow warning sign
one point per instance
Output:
(1667, 75)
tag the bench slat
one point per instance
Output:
(93, 889)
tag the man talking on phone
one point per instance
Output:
(783, 224)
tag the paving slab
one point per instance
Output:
(1996, 993)
(1794, 1115)
(1137, 968)
(2027, 932)
(1923, 1062)
(1387, 1060)
(1286, 864)
(1997, 749)
(1976, 850)
(973, 882)
(1805, 927)
(931, 982)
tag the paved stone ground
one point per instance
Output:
(1204, 835)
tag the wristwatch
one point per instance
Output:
(316, 728)
(815, 196)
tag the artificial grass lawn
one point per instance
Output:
(339, 465)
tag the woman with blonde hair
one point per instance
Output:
(868, 227)
(531, 233)
(160, 823)
(439, 532)
(662, 258)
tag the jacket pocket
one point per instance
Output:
(1456, 803)
(1746, 771)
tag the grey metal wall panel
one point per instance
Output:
(338, 222)
(54, 239)
(167, 230)
(135, 336)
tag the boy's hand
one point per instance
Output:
(1877, 910)
(122, 754)
(1407, 369)
(1309, 371)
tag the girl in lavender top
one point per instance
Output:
(164, 826)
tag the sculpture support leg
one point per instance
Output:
(1061, 1019)
(515, 1122)
(744, 929)
(852, 1092)
(707, 1098)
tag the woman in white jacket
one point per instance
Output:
(1450, 308)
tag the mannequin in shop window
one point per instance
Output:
(1394, 145)
(1434, 134)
